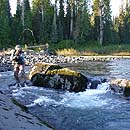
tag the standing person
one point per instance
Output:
(18, 61)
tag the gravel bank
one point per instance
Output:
(33, 57)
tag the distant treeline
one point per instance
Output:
(78, 20)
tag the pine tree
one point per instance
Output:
(115, 30)
(102, 22)
(95, 20)
(17, 27)
(121, 27)
(61, 20)
(107, 38)
(5, 21)
(40, 6)
(68, 20)
(72, 6)
(27, 23)
(54, 37)
(127, 23)
(82, 22)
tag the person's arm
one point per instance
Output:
(13, 56)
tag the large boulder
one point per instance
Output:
(55, 76)
(120, 86)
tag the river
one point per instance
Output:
(98, 109)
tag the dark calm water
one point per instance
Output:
(98, 109)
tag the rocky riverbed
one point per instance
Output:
(32, 57)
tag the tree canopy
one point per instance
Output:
(76, 20)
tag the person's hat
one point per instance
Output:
(17, 47)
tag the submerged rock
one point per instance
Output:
(94, 84)
(120, 86)
(55, 76)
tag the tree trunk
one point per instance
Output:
(54, 24)
(54, 20)
(72, 16)
(23, 16)
(42, 9)
(42, 13)
(101, 24)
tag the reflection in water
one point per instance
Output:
(112, 69)
(91, 69)
(120, 69)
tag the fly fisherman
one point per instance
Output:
(18, 62)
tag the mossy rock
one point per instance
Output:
(42, 68)
(120, 86)
(127, 91)
(59, 78)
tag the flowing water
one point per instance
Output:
(98, 109)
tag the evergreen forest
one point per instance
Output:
(73, 21)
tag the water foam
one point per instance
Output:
(42, 100)
(89, 98)
(104, 86)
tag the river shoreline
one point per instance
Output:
(33, 57)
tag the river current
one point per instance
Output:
(98, 109)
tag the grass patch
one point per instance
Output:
(89, 49)
(67, 52)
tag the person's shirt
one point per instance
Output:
(17, 57)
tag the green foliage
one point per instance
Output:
(95, 20)
(61, 45)
(27, 23)
(5, 22)
(16, 28)
(123, 24)
(42, 20)
(107, 22)
(67, 23)
(89, 48)
(82, 23)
